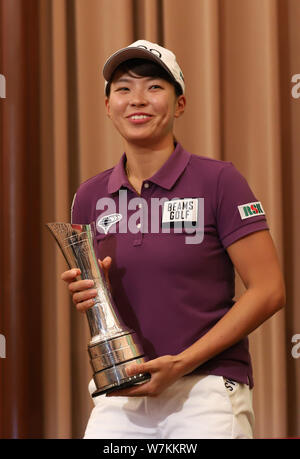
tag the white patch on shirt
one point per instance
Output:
(251, 209)
(107, 221)
(180, 210)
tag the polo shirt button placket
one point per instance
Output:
(139, 235)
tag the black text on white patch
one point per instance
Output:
(179, 211)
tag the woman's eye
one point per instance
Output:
(123, 88)
(155, 86)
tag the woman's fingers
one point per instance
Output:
(81, 285)
(70, 275)
(82, 290)
(84, 305)
(105, 264)
(84, 295)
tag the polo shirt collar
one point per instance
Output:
(165, 177)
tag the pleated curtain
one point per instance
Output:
(238, 59)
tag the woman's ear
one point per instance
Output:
(107, 106)
(180, 106)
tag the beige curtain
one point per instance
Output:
(238, 59)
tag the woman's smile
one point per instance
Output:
(139, 118)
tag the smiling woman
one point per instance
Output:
(179, 297)
(143, 101)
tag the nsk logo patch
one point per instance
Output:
(252, 209)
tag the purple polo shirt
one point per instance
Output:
(169, 291)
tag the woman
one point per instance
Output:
(173, 286)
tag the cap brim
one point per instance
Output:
(130, 53)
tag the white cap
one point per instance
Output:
(143, 49)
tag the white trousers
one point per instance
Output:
(195, 406)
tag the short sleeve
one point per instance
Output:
(239, 212)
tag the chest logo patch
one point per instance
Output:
(252, 209)
(107, 221)
(179, 211)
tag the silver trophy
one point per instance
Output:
(113, 346)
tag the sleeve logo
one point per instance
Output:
(252, 209)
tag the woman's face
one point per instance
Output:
(143, 109)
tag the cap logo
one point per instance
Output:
(152, 50)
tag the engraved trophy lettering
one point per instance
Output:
(113, 346)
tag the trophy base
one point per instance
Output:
(116, 377)
(130, 381)
(110, 359)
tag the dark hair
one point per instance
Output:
(144, 68)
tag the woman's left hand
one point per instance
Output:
(164, 372)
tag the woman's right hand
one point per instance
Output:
(82, 291)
